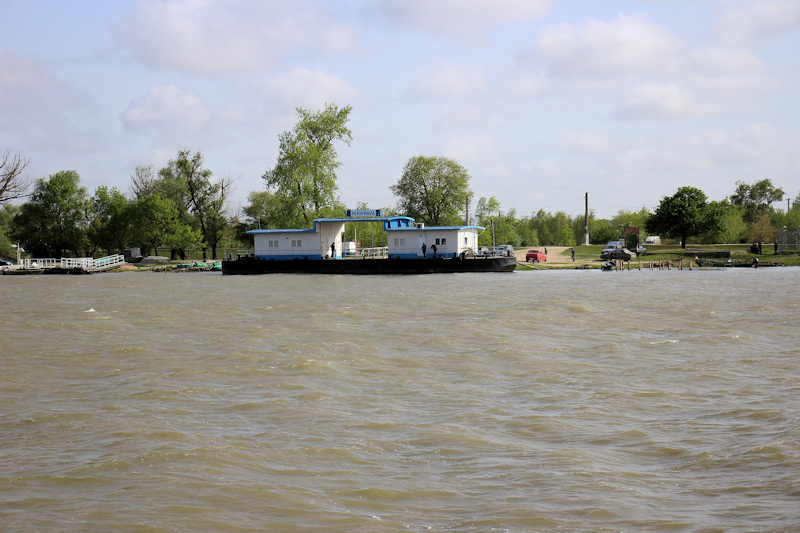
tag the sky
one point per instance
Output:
(542, 101)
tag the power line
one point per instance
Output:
(581, 199)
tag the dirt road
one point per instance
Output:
(555, 254)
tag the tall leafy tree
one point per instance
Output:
(433, 190)
(304, 177)
(156, 222)
(199, 201)
(756, 199)
(761, 230)
(262, 211)
(683, 215)
(54, 221)
(110, 223)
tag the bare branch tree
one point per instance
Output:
(143, 181)
(12, 183)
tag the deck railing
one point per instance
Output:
(82, 263)
(108, 261)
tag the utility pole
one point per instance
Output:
(493, 245)
(467, 217)
(586, 222)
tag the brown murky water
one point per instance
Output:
(532, 401)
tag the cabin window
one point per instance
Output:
(273, 244)
(297, 243)
(441, 242)
(400, 242)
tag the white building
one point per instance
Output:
(405, 239)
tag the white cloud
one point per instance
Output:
(478, 150)
(628, 45)
(661, 100)
(758, 22)
(711, 161)
(306, 88)
(211, 36)
(450, 82)
(588, 143)
(166, 110)
(459, 16)
(17, 71)
(727, 61)
(39, 109)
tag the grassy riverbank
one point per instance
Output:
(588, 256)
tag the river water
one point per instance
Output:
(528, 401)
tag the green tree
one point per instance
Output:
(304, 177)
(484, 210)
(683, 215)
(761, 230)
(156, 221)
(602, 231)
(566, 236)
(110, 225)
(54, 221)
(263, 210)
(731, 228)
(756, 199)
(432, 190)
(199, 201)
(189, 184)
(7, 213)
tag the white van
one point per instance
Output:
(653, 239)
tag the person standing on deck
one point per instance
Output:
(433, 247)
(424, 248)
(333, 250)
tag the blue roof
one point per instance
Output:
(362, 219)
(387, 221)
(438, 228)
(254, 231)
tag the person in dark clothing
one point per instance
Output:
(573, 253)
(433, 247)
(424, 249)
(333, 250)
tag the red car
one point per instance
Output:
(535, 256)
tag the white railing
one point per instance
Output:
(108, 261)
(82, 263)
(380, 251)
(40, 263)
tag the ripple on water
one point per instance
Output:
(470, 402)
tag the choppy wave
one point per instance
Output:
(533, 401)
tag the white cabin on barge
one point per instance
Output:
(405, 239)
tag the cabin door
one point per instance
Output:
(420, 242)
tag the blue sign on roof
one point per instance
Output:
(363, 212)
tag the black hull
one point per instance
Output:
(369, 266)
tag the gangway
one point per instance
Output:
(72, 264)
